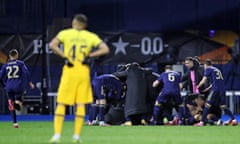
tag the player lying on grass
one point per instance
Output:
(194, 109)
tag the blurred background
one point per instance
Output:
(150, 32)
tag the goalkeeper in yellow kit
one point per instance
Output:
(75, 86)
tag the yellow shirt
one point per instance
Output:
(78, 44)
(75, 86)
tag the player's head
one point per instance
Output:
(207, 63)
(189, 62)
(79, 21)
(168, 68)
(200, 100)
(13, 54)
(197, 59)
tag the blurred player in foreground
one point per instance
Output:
(15, 77)
(75, 86)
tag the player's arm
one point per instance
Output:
(121, 75)
(155, 83)
(54, 46)
(192, 109)
(158, 81)
(102, 50)
(204, 79)
(208, 88)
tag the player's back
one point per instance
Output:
(170, 81)
(109, 79)
(216, 78)
(112, 84)
(78, 43)
(14, 76)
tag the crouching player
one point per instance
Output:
(106, 88)
(15, 77)
(170, 92)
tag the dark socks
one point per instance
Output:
(205, 113)
(101, 112)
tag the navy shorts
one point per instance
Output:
(97, 89)
(216, 98)
(173, 97)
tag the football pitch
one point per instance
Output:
(41, 132)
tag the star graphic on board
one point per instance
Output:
(120, 46)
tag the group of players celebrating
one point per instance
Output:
(148, 98)
(135, 95)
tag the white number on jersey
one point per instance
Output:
(171, 77)
(12, 71)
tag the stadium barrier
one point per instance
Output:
(233, 101)
(53, 103)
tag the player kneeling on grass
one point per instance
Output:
(15, 77)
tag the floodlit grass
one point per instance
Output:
(41, 132)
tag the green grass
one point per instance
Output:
(41, 132)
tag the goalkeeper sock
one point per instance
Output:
(59, 118)
(79, 117)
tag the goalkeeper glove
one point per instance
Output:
(67, 62)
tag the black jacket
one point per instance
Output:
(186, 79)
(136, 96)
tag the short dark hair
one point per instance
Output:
(169, 67)
(197, 58)
(13, 52)
(208, 62)
(189, 58)
(81, 18)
